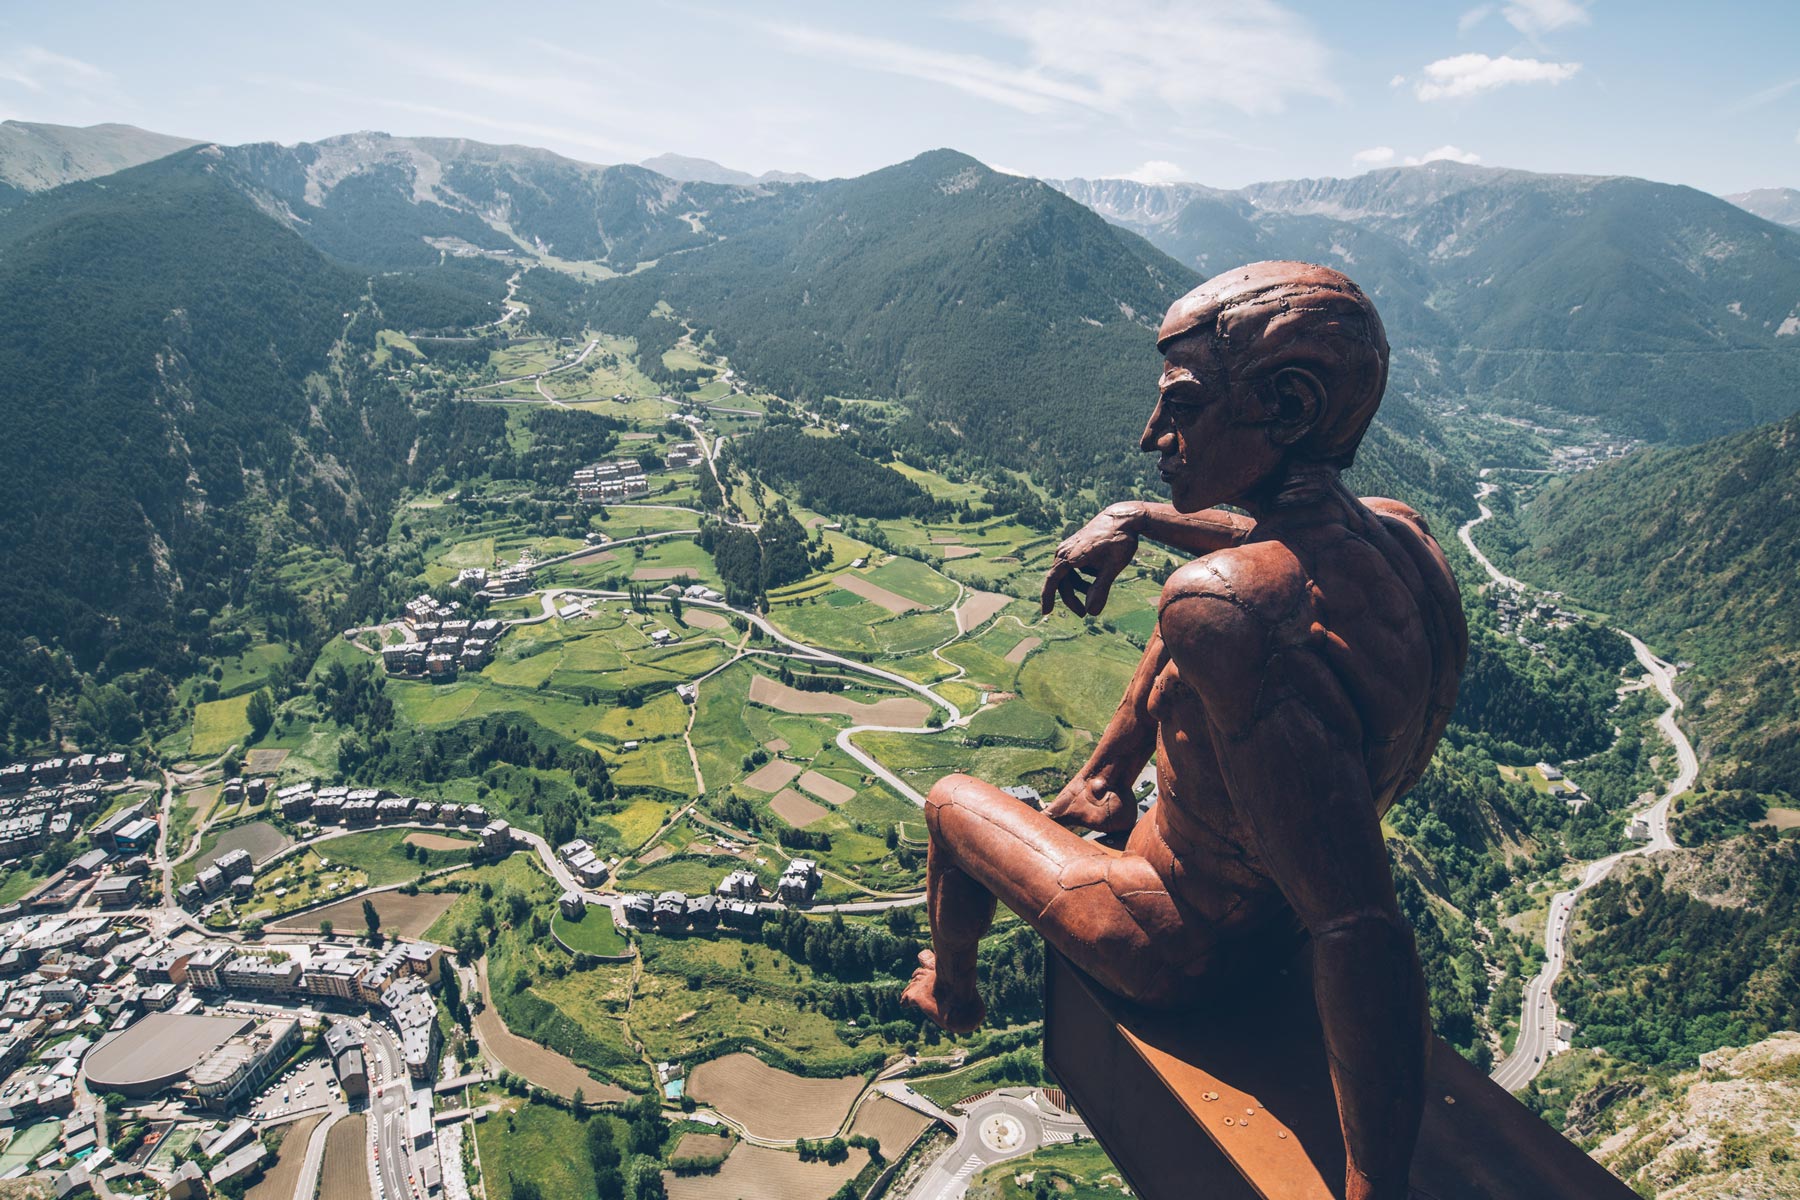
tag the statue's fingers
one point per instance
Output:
(1071, 597)
(1053, 579)
(1098, 591)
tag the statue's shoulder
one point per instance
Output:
(1258, 587)
(1394, 512)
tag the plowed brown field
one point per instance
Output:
(889, 1122)
(278, 1181)
(901, 710)
(346, 1172)
(758, 1173)
(771, 1103)
(407, 916)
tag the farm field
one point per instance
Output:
(759, 1173)
(858, 625)
(889, 1122)
(978, 608)
(637, 822)
(280, 1178)
(796, 809)
(438, 841)
(346, 1172)
(900, 710)
(536, 1142)
(595, 933)
(377, 853)
(826, 788)
(401, 915)
(771, 1103)
(219, 725)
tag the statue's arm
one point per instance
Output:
(1289, 745)
(1100, 796)
(1104, 547)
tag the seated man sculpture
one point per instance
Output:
(1303, 668)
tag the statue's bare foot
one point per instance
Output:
(954, 1005)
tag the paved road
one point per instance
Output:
(999, 1127)
(845, 739)
(390, 1164)
(536, 377)
(1537, 1023)
(307, 1186)
(1465, 533)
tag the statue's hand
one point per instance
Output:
(1101, 548)
(1090, 802)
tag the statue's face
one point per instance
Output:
(1211, 448)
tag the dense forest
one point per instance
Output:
(829, 475)
(1662, 975)
(1694, 550)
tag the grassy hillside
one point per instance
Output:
(35, 157)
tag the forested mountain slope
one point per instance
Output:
(171, 402)
(398, 202)
(1018, 325)
(1697, 549)
(36, 157)
(1669, 313)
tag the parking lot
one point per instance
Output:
(304, 1088)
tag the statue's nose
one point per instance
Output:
(1155, 435)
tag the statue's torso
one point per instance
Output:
(1376, 617)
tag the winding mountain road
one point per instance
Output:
(1537, 1024)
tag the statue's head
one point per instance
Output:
(1267, 368)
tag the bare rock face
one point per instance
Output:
(1729, 1130)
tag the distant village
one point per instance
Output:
(624, 478)
(437, 643)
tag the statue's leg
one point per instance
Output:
(1110, 913)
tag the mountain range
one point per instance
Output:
(705, 170)
(1615, 298)
(1015, 324)
(1780, 205)
(35, 157)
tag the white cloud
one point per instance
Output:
(1157, 171)
(1374, 156)
(1249, 55)
(37, 70)
(1444, 153)
(1532, 17)
(1471, 74)
(1397, 81)
(1474, 17)
(1758, 99)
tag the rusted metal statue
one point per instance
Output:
(1303, 668)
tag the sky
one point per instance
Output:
(1223, 92)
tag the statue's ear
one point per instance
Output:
(1298, 399)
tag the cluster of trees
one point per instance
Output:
(829, 475)
(458, 441)
(1659, 976)
(646, 1134)
(751, 562)
(1524, 706)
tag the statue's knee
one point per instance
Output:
(946, 793)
